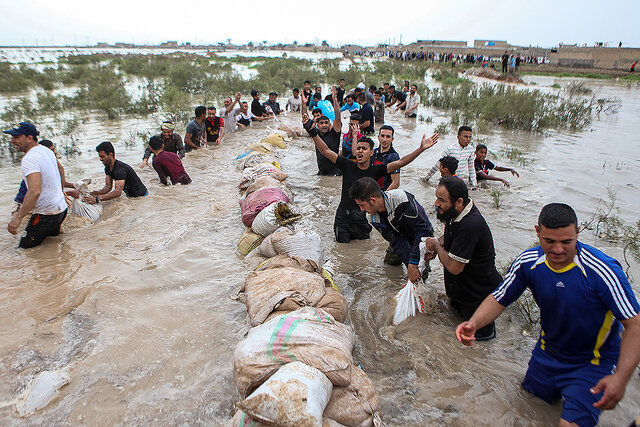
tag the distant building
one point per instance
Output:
(495, 44)
(170, 44)
(427, 44)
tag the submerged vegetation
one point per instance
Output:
(171, 85)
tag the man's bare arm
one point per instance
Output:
(425, 144)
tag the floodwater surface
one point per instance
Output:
(139, 305)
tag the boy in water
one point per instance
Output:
(483, 166)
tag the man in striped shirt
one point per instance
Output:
(464, 152)
(584, 297)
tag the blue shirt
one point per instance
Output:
(579, 305)
(327, 109)
(353, 107)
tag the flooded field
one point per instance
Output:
(138, 306)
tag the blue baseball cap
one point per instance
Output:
(23, 128)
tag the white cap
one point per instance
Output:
(361, 85)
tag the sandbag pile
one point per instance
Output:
(295, 366)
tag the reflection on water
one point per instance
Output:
(138, 305)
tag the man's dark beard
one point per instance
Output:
(447, 215)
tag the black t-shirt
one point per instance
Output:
(470, 241)
(256, 108)
(505, 59)
(212, 128)
(400, 96)
(366, 113)
(340, 94)
(308, 94)
(133, 186)
(351, 173)
(483, 167)
(326, 166)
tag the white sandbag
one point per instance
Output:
(408, 303)
(265, 290)
(241, 419)
(356, 405)
(288, 130)
(42, 390)
(295, 396)
(249, 175)
(302, 243)
(308, 335)
(274, 216)
(266, 248)
(78, 207)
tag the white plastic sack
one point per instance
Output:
(408, 302)
(86, 210)
(296, 395)
(265, 222)
(302, 243)
(274, 216)
(42, 390)
(266, 248)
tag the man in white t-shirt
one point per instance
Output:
(44, 192)
(231, 112)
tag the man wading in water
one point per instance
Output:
(583, 296)
(350, 222)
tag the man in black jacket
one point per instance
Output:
(399, 218)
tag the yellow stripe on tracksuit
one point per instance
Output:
(602, 335)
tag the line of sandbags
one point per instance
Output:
(295, 367)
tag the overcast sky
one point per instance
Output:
(542, 23)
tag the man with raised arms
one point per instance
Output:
(350, 222)
(328, 132)
(584, 296)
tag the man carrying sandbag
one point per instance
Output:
(399, 218)
(350, 222)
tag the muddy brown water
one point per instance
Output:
(139, 304)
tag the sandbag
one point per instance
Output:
(262, 169)
(279, 261)
(262, 182)
(243, 420)
(295, 396)
(308, 335)
(240, 419)
(261, 147)
(302, 243)
(265, 290)
(252, 158)
(356, 405)
(251, 205)
(266, 248)
(291, 132)
(78, 207)
(274, 216)
(333, 302)
(274, 139)
(249, 241)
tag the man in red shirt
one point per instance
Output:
(214, 127)
(168, 164)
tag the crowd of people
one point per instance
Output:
(584, 296)
(445, 57)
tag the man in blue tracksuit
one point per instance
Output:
(399, 218)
